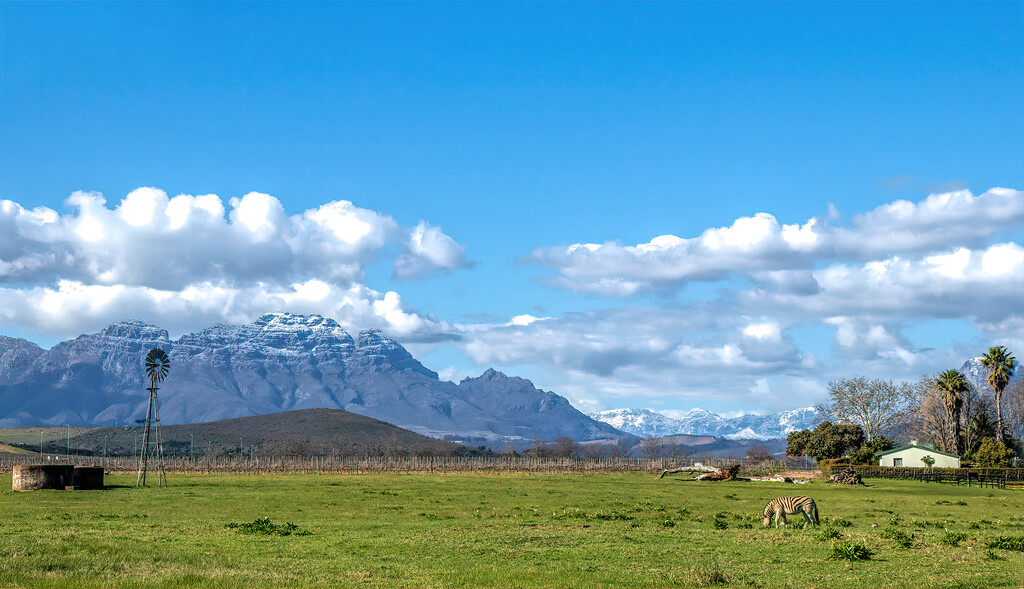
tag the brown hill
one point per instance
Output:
(307, 432)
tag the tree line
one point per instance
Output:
(864, 416)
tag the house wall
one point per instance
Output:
(912, 457)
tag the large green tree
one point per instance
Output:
(828, 440)
(953, 386)
(999, 364)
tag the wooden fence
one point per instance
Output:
(350, 464)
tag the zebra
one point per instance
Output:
(791, 505)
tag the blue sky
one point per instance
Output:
(480, 146)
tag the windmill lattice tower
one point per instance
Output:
(157, 365)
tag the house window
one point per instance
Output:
(897, 462)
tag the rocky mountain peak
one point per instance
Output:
(133, 329)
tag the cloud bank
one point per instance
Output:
(190, 260)
(758, 244)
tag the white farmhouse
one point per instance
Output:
(912, 453)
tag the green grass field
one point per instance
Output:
(499, 530)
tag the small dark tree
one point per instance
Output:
(758, 453)
(619, 448)
(565, 447)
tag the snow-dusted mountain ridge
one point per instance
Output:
(280, 362)
(648, 423)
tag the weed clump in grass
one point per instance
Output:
(1008, 543)
(706, 574)
(899, 538)
(952, 538)
(264, 527)
(830, 533)
(992, 555)
(720, 524)
(849, 551)
(842, 522)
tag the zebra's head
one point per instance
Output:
(768, 512)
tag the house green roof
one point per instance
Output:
(908, 446)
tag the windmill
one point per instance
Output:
(157, 365)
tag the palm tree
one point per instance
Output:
(999, 364)
(953, 386)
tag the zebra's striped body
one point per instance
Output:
(791, 505)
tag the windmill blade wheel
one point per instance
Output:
(157, 364)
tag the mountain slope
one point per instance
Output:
(280, 362)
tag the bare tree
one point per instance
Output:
(565, 447)
(1013, 409)
(650, 448)
(932, 420)
(877, 405)
(619, 448)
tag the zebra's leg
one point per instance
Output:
(814, 513)
(807, 518)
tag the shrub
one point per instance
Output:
(993, 454)
(849, 551)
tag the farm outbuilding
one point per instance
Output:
(912, 454)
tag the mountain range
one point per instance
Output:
(280, 362)
(646, 423)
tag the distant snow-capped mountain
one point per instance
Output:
(977, 374)
(701, 422)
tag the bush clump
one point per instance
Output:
(830, 533)
(952, 538)
(842, 522)
(264, 527)
(1008, 543)
(706, 575)
(899, 538)
(849, 551)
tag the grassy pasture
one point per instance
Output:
(498, 530)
